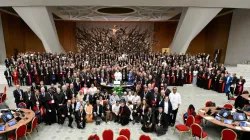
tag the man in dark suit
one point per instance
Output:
(167, 109)
(145, 94)
(98, 111)
(42, 96)
(161, 97)
(59, 101)
(35, 98)
(162, 81)
(124, 114)
(71, 92)
(161, 122)
(7, 62)
(21, 76)
(65, 93)
(27, 99)
(66, 111)
(154, 98)
(7, 74)
(80, 118)
(96, 96)
(167, 90)
(52, 89)
(137, 111)
(18, 95)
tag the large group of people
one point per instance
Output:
(158, 69)
(155, 111)
(79, 94)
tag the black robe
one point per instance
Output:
(47, 77)
(162, 129)
(148, 120)
(80, 123)
(49, 105)
(124, 114)
(199, 78)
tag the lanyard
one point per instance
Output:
(51, 96)
(37, 97)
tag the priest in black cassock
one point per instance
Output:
(124, 114)
(208, 80)
(49, 104)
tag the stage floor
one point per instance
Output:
(190, 95)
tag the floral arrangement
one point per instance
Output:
(118, 91)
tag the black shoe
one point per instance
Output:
(70, 126)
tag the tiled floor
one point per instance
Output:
(190, 95)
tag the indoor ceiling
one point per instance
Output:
(95, 13)
(130, 13)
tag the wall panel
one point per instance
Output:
(164, 34)
(66, 35)
(238, 49)
(217, 35)
(13, 34)
(198, 44)
(32, 42)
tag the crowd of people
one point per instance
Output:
(159, 69)
(155, 111)
(80, 96)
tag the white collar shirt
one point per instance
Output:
(115, 108)
(166, 107)
(175, 99)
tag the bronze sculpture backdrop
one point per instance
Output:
(114, 40)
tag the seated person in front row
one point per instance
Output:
(148, 121)
(137, 112)
(66, 111)
(115, 111)
(98, 112)
(124, 114)
(80, 118)
(108, 112)
(89, 109)
(161, 122)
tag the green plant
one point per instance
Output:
(118, 90)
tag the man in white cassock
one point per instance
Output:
(118, 75)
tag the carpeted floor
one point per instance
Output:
(190, 95)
